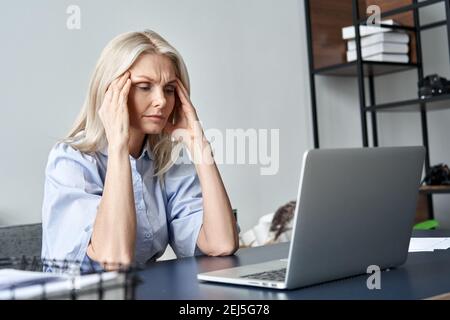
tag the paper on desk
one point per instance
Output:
(19, 278)
(428, 244)
(29, 285)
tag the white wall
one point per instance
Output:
(248, 68)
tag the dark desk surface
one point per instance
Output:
(424, 275)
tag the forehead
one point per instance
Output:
(154, 66)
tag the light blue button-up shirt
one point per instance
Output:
(74, 181)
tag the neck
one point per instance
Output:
(136, 143)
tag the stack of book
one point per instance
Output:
(378, 43)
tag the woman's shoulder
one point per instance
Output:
(67, 166)
(63, 151)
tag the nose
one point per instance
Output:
(159, 99)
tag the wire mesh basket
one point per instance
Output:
(28, 277)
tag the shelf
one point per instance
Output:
(327, 57)
(434, 189)
(371, 68)
(414, 29)
(411, 102)
(433, 25)
(394, 27)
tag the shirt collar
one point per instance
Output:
(147, 150)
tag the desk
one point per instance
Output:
(424, 274)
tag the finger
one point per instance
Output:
(123, 79)
(118, 84)
(126, 88)
(182, 95)
(123, 97)
(114, 97)
(186, 105)
(189, 116)
(181, 85)
(185, 114)
(188, 112)
(111, 85)
(108, 94)
(115, 82)
(106, 99)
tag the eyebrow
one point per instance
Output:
(152, 80)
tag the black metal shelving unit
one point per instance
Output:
(368, 69)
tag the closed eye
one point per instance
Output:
(170, 89)
(144, 86)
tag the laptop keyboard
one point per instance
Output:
(274, 275)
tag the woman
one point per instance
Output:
(113, 192)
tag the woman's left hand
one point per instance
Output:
(187, 127)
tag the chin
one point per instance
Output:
(152, 129)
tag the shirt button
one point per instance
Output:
(147, 235)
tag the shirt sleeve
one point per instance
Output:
(72, 193)
(184, 209)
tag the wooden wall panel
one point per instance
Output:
(328, 17)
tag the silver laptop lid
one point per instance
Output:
(355, 208)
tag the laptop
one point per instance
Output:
(355, 208)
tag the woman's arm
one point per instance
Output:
(114, 235)
(218, 235)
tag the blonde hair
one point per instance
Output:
(88, 134)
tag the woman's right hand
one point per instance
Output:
(114, 113)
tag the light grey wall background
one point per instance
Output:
(246, 62)
(248, 68)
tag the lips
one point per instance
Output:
(155, 116)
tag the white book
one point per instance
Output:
(349, 32)
(387, 57)
(20, 278)
(382, 47)
(30, 284)
(397, 37)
